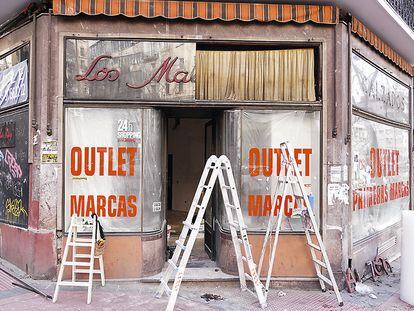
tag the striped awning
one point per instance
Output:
(226, 11)
(361, 30)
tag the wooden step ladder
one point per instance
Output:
(78, 225)
(290, 178)
(221, 168)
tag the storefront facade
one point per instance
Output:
(135, 106)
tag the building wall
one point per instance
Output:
(287, 34)
(366, 249)
(38, 249)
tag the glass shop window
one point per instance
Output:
(266, 75)
(257, 138)
(113, 167)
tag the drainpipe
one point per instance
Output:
(33, 105)
(348, 134)
(48, 103)
(334, 125)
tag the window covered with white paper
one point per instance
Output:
(113, 167)
(380, 176)
(261, 133)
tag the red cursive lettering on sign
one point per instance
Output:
(6, 133)
(164, 70)
(100, 74)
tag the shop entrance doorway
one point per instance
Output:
(191, 139)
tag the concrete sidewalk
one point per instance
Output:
(140, 296)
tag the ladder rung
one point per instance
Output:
(189, 225)
(231, 206)
(83, 240)
(317, 261)
(248, 277)
(325, 279)
(180, 245)
(198, 206)
(86, 271)
(240, 241)
(310, 230)
(226, 187)
(236, 225)
(69, 283)
(85, 256)
(77, 263)
(80, 244)
(172, 263)
(245, 260)
(314, 246)
(206, 186)
(166, 287)
(83, 225)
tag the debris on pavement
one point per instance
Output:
(281, 294)
(362, 288)
(373, 296)
(208, 297)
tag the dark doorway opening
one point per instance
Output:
(191, 139)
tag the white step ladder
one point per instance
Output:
(290, 178)
(77, 225)
(215, 167)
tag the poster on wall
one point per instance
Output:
(380, 176)
(14, 168)
(262, 133)
(14, 85)
(103, 166)
(129, 70)
(377, 92)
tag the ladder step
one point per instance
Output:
(240, 241)
(206, 187)
(88, 256)
(180, 245)
(231, 206)
(83, 240)
(310, 230)
(172, 264)
(189, 225)
(166, 287)
(317, 261)
(236, 225)
(80, 244)
(86, 271)
(226, 187)
(248, 277)
(198, 206)
(314, 246)
(69, 283)
(325, 279)
(82, 225)
(77, 263)
(245, 260)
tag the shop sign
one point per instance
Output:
(377, 92)
(130, 70)
(13, 85)
(262, 133)
(103, 166)
(380, 176)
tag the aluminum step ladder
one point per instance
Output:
(290, 178)
(82, 263)
(221, 168)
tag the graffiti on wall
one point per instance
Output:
(14, 172)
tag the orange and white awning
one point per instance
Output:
(226, 11)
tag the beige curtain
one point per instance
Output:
(278, 75)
